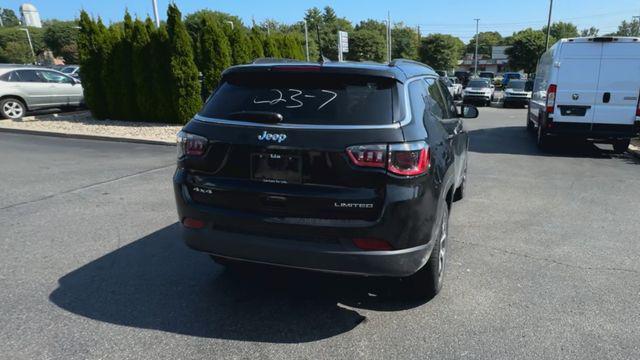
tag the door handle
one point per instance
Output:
(606, 97)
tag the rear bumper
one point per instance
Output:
(334, 258)
(594, 131)
(316, 244)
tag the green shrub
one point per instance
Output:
(215, 54)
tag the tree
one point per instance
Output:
(526, 48)
(256, 40)
(628, 28)
(61, 37)
(486, 41)
(365, 45)
(270, 47)
(328, 24)
(93, 52)
(592, 31)
(240, 46)
(215, 54)
(16, 52)
(405, 42)
(185, 87)
(161, 70)
(562, 30)
(142, 76)
(441, 51)
(9, 18)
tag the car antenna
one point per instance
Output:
(321, 58)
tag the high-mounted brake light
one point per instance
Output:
(404, 159)
(551, 98)
(302, 68)
(190, 144)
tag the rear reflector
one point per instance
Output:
(192, 223)
(372, 244)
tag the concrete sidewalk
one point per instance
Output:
(634, 148)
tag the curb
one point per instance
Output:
(87, 137)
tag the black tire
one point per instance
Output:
(542, 139)
(427, 282)
(530, 126)
(12, 108)
(621, 146)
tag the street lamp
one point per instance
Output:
(33, 53)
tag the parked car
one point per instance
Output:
(516, 94)
(588, 88)
(30, 88)
(341, 168)
(508, 76)
(455, 88)
(463, 77)
(442, 73)
(479, 91)
(487, 75)
(71, 70)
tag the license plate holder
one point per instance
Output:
(279, 168)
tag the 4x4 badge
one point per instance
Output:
(265, 136)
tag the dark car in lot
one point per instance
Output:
(346, 168)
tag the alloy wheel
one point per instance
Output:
(13, 109)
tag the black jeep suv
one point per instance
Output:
(347, 168)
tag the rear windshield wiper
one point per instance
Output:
(257, 116)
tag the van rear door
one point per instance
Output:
(618, 83)
(577, 82)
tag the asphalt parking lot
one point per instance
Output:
(543, 264)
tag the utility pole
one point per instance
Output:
(33, 53)
(475, 71)
(155, 12)
(389, 36)
(306, 39)
(546, 42)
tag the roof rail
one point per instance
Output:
(395, 62)
(276, 61)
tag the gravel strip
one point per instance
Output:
(81, 123)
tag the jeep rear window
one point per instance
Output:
(306, 98)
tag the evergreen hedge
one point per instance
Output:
(135, 71)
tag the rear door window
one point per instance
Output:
(29, 76)
(304, 98)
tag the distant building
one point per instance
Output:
(30, 15)
(498, 62)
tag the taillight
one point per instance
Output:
(372, 244)
(368, 155)
(551, 98)
(638, 107)
(405, 159)
(409, 159)
(190, 144)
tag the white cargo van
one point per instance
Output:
(588, 88)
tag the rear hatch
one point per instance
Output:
(277, 141)
(577, 82)
(618, 83)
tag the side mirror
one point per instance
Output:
(469, 112)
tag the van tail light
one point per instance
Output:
(372, 244)
(638, 107)
(404, 159)
(551, 98)
(190, 144)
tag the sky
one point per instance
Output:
(453, 17)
